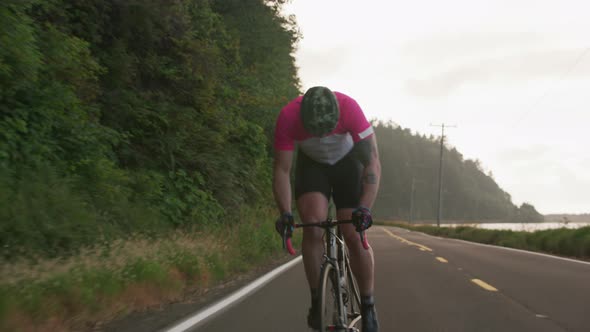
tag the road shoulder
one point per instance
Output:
(166, 314)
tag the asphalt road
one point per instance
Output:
(425, 283)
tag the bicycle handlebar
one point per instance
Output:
(322, 224)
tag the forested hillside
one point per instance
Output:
(132, 116)
(410, 166)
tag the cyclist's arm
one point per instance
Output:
(372, 171)
(281, 184)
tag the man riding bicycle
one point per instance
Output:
(337, 158)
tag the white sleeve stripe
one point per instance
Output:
(366, 133)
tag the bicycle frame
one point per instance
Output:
(334, 254)
(336, 259)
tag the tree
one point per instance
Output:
(468, 194)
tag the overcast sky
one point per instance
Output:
(513, 76)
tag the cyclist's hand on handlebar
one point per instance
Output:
(361, 218)
(284, 225)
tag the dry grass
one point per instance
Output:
(112, 257)
(97, 284)
(107, 281)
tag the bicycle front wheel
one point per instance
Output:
(330, 301)
(353, 300)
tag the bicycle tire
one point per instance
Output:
(353, 306)
(330, 317)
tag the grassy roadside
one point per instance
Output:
(111, 280)
(563, 242)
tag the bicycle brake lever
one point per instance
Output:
(287, 243)
(364, 240)
(290, 247)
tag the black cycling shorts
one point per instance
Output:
(341, 181)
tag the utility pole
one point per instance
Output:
(412, 200)
(440, 173)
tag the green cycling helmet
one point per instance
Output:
(319, 111)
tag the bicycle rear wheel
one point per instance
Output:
(330, 300)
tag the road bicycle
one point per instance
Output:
(339, 296)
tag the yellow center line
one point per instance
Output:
(421, 247)
(442, 260)
(484, 285)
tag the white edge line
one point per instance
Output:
(510, 249)
(206, 313)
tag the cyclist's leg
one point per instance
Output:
(312, 192)
(362, 265)
(312, 207)
(361, 259)
(346, 181)
(347, 188)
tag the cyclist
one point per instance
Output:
(337, 157)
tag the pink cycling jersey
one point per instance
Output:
(352, 127)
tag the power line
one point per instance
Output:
(564, 74)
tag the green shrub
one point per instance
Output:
(518, 240)
(216, 265)
(47, 214)
(189, 265)
(42, 214)
(144, 270)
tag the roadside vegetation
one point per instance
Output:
(567, 242)
(134, 152)
(112, 279)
